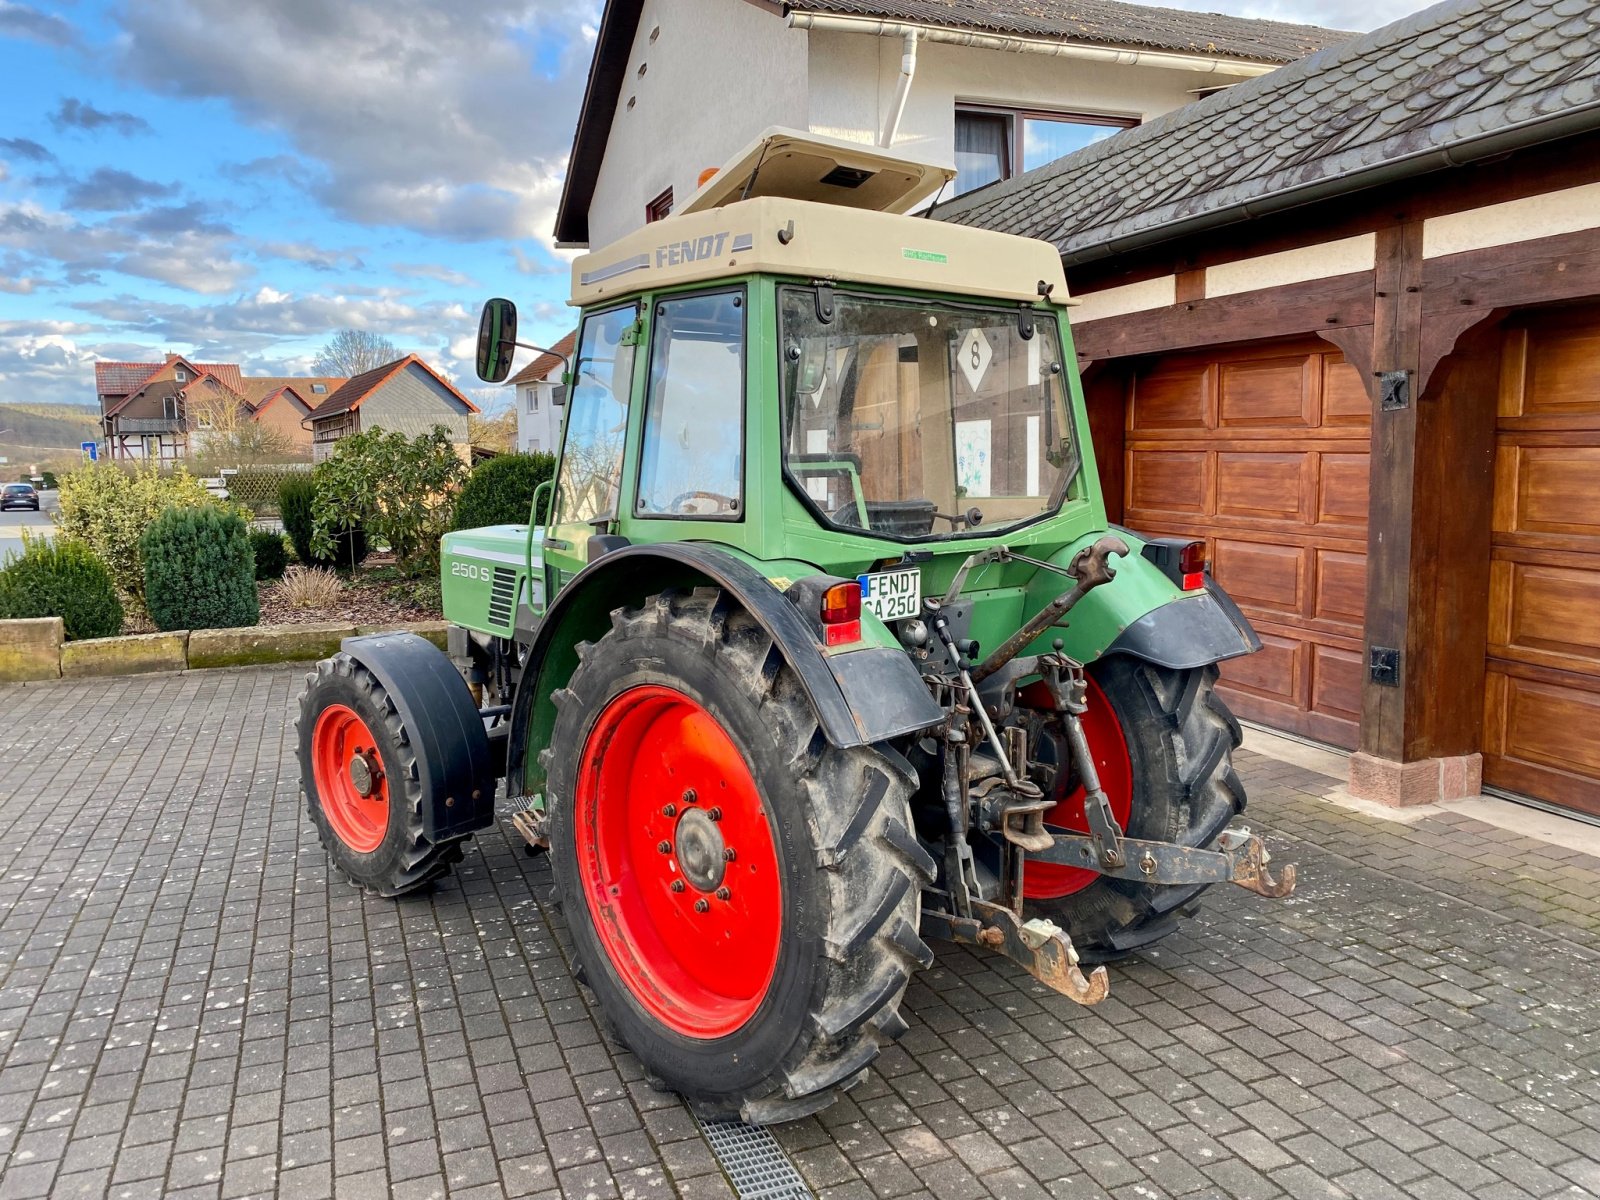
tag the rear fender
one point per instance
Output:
(1144, 614)
(859, 698)
(454, 760)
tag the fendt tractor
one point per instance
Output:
(825, 648)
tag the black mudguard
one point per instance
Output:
(453, 753)
(1189, 632)
(860, 698)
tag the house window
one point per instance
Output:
(319, 389)
(204, 420)
(180, 375)
(658, 208)
(997, 143)
(170, 407)
(533, 399)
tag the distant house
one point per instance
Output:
(407, 396)
(144, 406)
(166, 411)
(537, 385)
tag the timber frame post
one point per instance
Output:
(1431, 488)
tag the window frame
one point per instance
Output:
(659, 207)
(636, 303)
(1069, 489)
(742, 291)
(1015, 116)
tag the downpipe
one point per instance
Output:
(902, 88)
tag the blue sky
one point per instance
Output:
(239, 179)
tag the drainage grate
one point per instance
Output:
(756, 1165)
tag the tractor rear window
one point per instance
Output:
(920, 420)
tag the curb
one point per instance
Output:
(35, 650)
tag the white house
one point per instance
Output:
(538, 416)
(990, 87)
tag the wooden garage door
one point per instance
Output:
(1263, 452)
(1542, 707)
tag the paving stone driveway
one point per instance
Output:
(190, 1006)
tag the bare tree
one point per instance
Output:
(225, 435)
(352, 351)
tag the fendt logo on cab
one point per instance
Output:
(675, 253)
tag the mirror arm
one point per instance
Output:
(566, 364)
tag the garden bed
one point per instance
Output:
(375, 593)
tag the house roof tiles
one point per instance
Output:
(356, 389)
(1107, 22)
(1461, 80)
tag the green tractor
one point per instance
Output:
(826, 647)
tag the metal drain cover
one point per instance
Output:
(756, 1165)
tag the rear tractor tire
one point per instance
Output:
(1163, 743)
(743, 897)
(361, 783)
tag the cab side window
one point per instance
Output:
(597, 418)
(692, 458)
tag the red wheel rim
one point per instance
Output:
(692, 931)
(351, 784)
(1048, 881)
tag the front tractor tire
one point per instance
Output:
(743, 897)
(359, 772)
(1163, 743)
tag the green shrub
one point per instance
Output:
(110, 508)
(48, 478)
(500, 491)
(400, 490)
(199, 570)
(65, 579)
(296, 505)
(272, 557)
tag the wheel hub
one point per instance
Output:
(362, 774)
(700, 850)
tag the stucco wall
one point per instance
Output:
(718, 73)
(542, 427)
(853, 77)
(413, 402)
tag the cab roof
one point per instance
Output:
(820, 208)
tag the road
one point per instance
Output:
(38, 524)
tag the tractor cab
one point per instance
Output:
(818, 643)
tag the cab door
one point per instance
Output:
(589, 475)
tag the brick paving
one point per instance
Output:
(189, 1006)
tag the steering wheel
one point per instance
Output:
(723, 503)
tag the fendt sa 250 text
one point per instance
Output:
(825, 648)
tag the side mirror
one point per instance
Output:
(497, 340)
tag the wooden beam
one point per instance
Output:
(1296, 308)
(1396, 319)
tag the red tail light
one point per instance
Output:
(1192, 566)
(841, 614)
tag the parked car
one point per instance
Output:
(19, 495)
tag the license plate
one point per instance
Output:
(892, 595)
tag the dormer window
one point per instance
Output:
(180, 374)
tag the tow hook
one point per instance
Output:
(1039, 947)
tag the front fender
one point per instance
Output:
(859, 698)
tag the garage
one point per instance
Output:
(1542, 701)
(1262, 450)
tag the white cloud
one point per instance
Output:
(422, 114)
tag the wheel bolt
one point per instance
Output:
(723, 893)
(670, 810)
(702, 905)
(729, 854)
(689, 796)
(677, 885)
(715, 814)
(664, 847)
